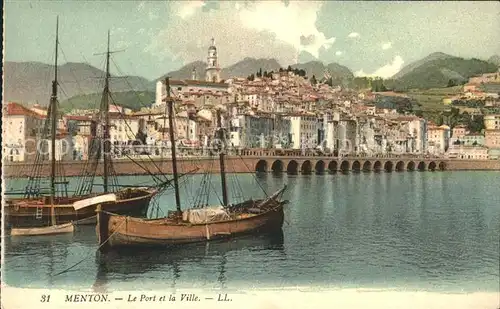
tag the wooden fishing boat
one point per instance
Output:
(48, 230)
(23, 213)
(194, 224)
(252, 217)
(36, 210)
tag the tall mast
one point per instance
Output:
(170, 103)
(53, 132)
(105, 107)
(221, 159)
(53, 119)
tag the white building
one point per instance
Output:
(438, 139)
(467, 152)
(21, 128)
(303, 129)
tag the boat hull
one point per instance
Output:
(121, 231)
(47, 230)
(22, 213)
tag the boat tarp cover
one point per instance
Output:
(204, 215)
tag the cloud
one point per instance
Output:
(386, 71)
(338, 53)
(189, 8)
(353, 35)
(266, 29)
(386, 45)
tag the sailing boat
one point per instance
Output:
(34, 211)
(194, 224)
(53, 228)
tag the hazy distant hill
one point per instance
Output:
(249, 65)
(318, 69)
(186, 71)
(130, 99)
(438, 69)
(30, 82)
(410, 67)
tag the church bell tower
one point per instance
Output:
(212, 73)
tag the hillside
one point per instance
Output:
(249, 65)
(128, 99)
(412, 66)
(29, 82)
(442, 71)
(318, 69)
(186, 71)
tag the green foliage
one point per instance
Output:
(436, 73)
(129, 99)
(453, 118)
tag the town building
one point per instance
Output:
(21, 130)
(303, 130)
(438, 139)
(492, 122)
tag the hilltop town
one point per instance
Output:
(284, 109)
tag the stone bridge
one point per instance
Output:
(290, 164)
(320, 165)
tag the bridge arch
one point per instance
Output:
(356, 166)
(320, 167)
(400, 166)
(432, 166)
(306, 167)
(367, 166)
(410, 166)
(442, 166)
(344, 166)
(388, 165)
(333, 166)
(261, 166)
(292, 167)
(277, 167)
(377, 166)
(421, 166)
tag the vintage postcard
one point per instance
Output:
(250, 154)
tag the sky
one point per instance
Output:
(155, 37)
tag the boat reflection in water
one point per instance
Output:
(130, 262)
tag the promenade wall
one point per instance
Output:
(251, 164)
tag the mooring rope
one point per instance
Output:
(82, 260)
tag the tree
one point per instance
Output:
(289, 68)
(251, 77)
(259, 73)
(265, 74)
(313, 80)
(451, 83)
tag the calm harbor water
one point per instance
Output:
(419, 231)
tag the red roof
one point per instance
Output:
(16, 109)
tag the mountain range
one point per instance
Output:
(29, 82)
